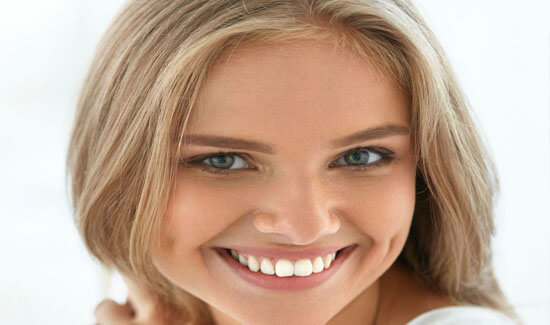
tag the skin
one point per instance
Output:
(297, 97)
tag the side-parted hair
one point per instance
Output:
(145, 80)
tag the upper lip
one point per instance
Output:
(278, 253)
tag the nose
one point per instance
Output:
(298, 209)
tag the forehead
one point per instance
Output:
(296, 90)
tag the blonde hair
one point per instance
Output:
(144, 82)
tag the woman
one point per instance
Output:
(283, 162)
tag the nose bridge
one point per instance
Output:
(298, 207)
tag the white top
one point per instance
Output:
(461, 315)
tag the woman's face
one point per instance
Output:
(319, 114)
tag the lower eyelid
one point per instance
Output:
(350, 168)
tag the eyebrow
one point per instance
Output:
(243, 144)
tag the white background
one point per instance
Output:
(500, 50)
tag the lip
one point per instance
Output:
(274, 282)
(277, 253)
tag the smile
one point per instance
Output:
(284, 267)
(284, 274)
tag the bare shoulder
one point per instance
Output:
(404, 297)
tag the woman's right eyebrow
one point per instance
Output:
(227, 142)
(245, 144)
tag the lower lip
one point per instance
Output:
(294, 282)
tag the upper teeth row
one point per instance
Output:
(283, 267)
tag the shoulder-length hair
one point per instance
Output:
(144, 82)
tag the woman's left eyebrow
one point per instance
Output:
(244, 144)
(370, 134)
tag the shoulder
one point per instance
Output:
(458, 315)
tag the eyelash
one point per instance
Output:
(386, 155)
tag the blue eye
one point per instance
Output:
(221, 160)
(358, 159)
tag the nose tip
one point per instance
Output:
(297, 209)
(298, 229)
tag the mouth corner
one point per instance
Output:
(346, 249)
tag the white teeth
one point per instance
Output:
(284, 268)
(327, 259)
(266, 267)
(243, 260)
(318, 264)
(253, 264)
(303, 267)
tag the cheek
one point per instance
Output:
(383, 210)
(197, 211)
(200, 209)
